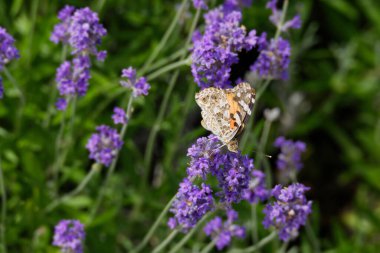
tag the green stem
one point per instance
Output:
(172, 149)
(165, 38)
(283, 247)
(94, 170)
(111, 169)
(283, 16)
(312, 237)
(157, 124)
(179, 245)
(3, 211)
(154, 227)
(53, 93)
(209, 246)
(257, 246)
(168, 239)
(167, 68)
(165, 61)
(255, 236)
(21, 95)
(261, 151)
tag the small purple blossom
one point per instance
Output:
(119, 116)
(289, 212)
(61, 30)
(1, 88)
(203, 155)
(236, 4)
(233, 173)
(73, 78)
(8, 52)
(191, 204)
(223, 232)
(274, 58)
(139, 86)
(256, 189)
(104, 145)
(69, 236)
(61, 104)
(200, 4)
(275, 17)
(85, 31)
(290, 157)
(215, 51)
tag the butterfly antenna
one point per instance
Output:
(269, 156)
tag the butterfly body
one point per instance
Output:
(224, 111)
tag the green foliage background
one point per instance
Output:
(332, 102)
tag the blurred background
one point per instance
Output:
(331, 101)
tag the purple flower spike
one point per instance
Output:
(119, 116)
(191, 204)
(275, 17)
(85, 31)
(1, 88)
(203, 155)
(224, 231)
(215, 51)
(274, 58)
(61, 31)
(139, 86)
(289, 212)
(61, 104)
(104, 145)
(69, 236)
(200, 4)
(289, 160)
(256, 189)
(8, 52)
(233, 174)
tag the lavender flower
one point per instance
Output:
(215, 51)
(289, 212)
(274, 58)
(139, 86)
(61, 30)
(8, 51)
(82, 31)
(61, 104)
(203, 155)
(236, 4)
(223, 232)
(290, 157)
(191, 204)
(275, 17)
(1, 88)
(256, 189)
(73, 78)
(233, 173)
(69, 236)
(85, 31)
(200, 4)
(119, 116)
(104, 145)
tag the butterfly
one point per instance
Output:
(224, 111)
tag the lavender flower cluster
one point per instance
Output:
(69, 236)
(223, 232)
(290, 210)
(106, 143)
(8, 52)
(80, 29)
(237, 181)
(217, 49)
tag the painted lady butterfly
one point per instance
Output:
(224, 111)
